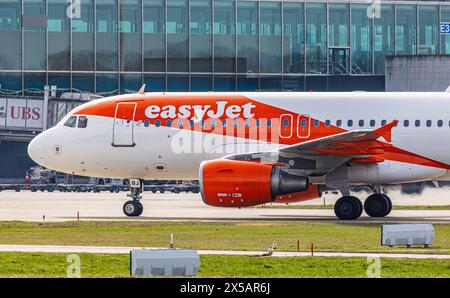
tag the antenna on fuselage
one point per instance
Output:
(142, 90)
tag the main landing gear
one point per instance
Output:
(134, 207)
(350, 207)
(378, 205)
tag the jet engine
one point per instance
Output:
(235, 183)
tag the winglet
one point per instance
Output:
(448, 89)
(385, 131)
(142, 90)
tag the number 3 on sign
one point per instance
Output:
(135, 183)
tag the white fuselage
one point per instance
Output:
(172, 153)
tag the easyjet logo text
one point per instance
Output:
(198, 112)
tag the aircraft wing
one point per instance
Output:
(355, 142)
(322, 155)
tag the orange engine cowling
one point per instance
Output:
(235, 183)
(310, 194)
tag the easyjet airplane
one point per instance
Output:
(254, 148)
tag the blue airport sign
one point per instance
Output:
(445, 28)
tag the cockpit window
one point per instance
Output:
(82, 122)
(71, 122)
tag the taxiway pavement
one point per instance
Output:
(37, 206)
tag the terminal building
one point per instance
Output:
(111, 47)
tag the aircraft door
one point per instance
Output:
(303, 126)
(123, 127)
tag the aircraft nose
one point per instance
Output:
(36, 149)
(43, 150)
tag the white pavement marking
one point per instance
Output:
(30, 206)
(126, 250)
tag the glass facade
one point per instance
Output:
(83, 38)
(113, 46)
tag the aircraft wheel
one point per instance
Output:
(132, 208)
(348, 208)
(390, 207)
(390, 204)
(141, 208)
(378, 205)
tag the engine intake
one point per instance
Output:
(235, 183)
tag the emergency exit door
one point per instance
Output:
(123, 128)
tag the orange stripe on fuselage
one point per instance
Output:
(208, 102)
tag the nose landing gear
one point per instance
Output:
(134, 207)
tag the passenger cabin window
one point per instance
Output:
(417, 123)
(350, 123)
(372, 123)
(406, 123)
(71, 122)
(440, 123)
(158, 123)
(327, 123)
(383, 122)
(338, 123)
(429, 123)
(361, 123)
(82, 122)
(316, 123)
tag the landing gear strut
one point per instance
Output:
(134, 207)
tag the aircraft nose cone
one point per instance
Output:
(36, 149)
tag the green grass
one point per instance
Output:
(327, 207)
(333, 236)
(102, 265)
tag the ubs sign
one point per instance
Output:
(20, 113)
